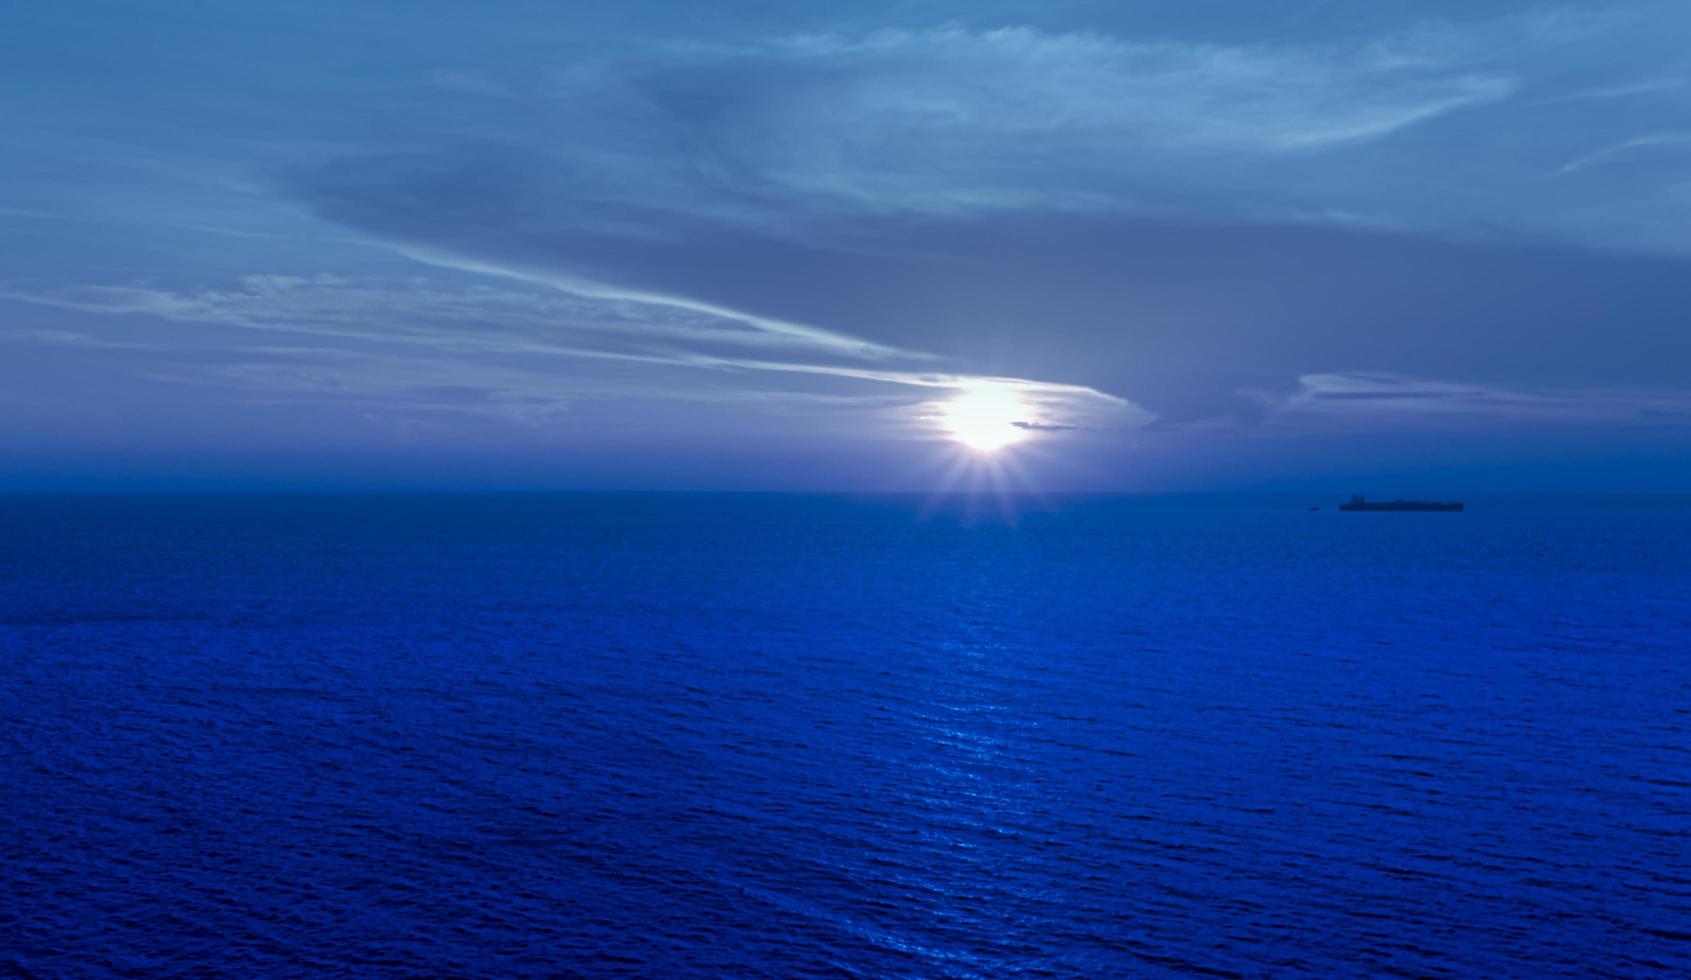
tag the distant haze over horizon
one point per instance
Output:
(1431, 248)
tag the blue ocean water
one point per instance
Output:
(829, 736)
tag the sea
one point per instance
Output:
(698, 735)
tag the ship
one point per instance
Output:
(1358, 502)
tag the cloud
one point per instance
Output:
(945, 121)
(433, 311)
(1626, 148)
(746, 327)
(1366, 396)
(1626, 90)
(951, 118)
(446, 331)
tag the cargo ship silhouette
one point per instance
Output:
(1358, 502)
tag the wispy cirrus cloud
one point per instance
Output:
(505, 328)
(1624, 90)
(435, 312)
(1365, 396)
(948, 119)
(952, 118)
(1627, 148)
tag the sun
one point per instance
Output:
(984, 417)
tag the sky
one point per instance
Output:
(1174, 244)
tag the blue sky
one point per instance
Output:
(751, 245)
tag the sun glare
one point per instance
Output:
(984, 418)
